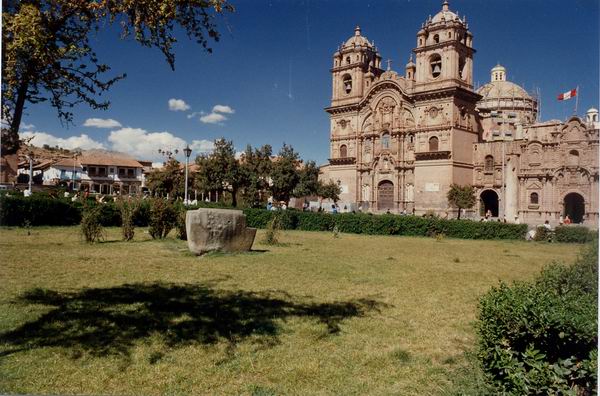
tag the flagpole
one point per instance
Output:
(576, 99)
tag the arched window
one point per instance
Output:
(489, 163)
(449, 34)
(411, 138)
(420, 41)
(347, 79)
(435, 63)
(385, 141)
(534, 198)
(343, 151)
(348, 60)
(433, 143)
(436, 38)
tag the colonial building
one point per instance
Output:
(397, 142)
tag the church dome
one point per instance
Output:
(502, 89)
(498, 87)
(357, 40)
(445, 14)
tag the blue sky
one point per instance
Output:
(270, 71)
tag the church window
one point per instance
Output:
(420, 41)
(433, 143)
(343, 151)
(449, 34)
(534, 198)
(489, 163)
(347, 79)
(385, 141)
(436, 38)
(411, 138)
(435, 63)
(348, 60)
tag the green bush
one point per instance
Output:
(574, 234)
(163, 217)
(542, 234)
(91, 227)
(362, 223)
(540, 337)
(38, 210)
(127, 208)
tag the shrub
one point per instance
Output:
(542, 234)
(180, 226)
(163, 217)
(127, 209)
(38, 210)
(574, 234)
(540, 337)
(91, 227)
(273, 228)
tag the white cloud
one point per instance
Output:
(213, 118)
(27, 126)
(102, 123)
(202, 146)
(157, 164)
(194, 114)
(82, 141)
(178, 105)
(143, 144)
(223, 109)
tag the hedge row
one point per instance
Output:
(41, 209)
(541, 337)
(387, 224)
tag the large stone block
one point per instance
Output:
(223, 230)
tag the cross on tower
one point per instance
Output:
(389, 64)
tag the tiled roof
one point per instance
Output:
(108, 158)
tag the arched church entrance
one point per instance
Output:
(574, 206)
(385, 195)
(489, 201)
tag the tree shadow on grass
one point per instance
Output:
(110, 321)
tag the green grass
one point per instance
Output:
(315, 315)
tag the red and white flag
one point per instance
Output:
(568, 95)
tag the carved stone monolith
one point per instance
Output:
(222, 230)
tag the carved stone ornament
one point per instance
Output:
(387, 105)
(343, 123)
(433, 112)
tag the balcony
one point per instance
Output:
(342, 161)
(432, 155)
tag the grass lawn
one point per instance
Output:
(318, 315)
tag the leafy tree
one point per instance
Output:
(285, 175)
(329, 190)
(463, 197)
(167, 180)
(308, 183)
(257, 164)
(47, 55)
(221, 171)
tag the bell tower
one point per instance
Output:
(355, 65)
(444, 50)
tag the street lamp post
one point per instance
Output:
(188, 151)
(30, 157)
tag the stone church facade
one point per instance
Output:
(397, 142)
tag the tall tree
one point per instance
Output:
(462, 197)
(47, 56)
(257, 164)
(329, 190)
(167, 180)
(221, 171)
(308, 180)
(285, 175)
